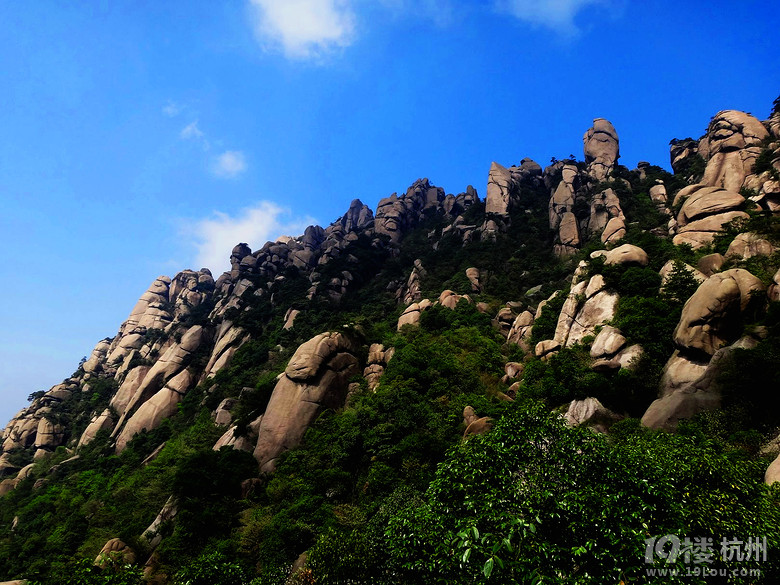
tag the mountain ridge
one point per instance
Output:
(549, 259)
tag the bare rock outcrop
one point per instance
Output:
(104, 420)
(115, 551)
(747, 245)
(243, 442)
(703, 213)
(521, 328)
(587, 306)
(316, 378)
(153, 411)
(687, 401)
(378, 358)
(602, 149)
(152, 535)
(773, 472)
(499, 187)
(711, 317)
(730, 146)
(592, 413)
(411, 315)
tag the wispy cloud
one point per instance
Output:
(229, 165)
(191, 131)
(172, 109)
(557, 15)
(304, 29)
(213, 238)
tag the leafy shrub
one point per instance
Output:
(536, 501)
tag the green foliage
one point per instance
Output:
(764, 163)
(747, 377)
(83, 572)
(544, 326)
(680, 284)
(535, 501)
(212, 568)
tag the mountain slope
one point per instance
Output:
(303, 400)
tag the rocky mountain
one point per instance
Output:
(611, 295)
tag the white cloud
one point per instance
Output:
(557, 15)
(191, 131)
(304, 29)
(214, 237)
(229, 164)
(171, 109)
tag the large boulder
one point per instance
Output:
(665, 413)
(592, 413)
(711, 317)
(587, 306)
(602, 150)
(607, 343)
(701, 395)
(166, 371)
(773, 472)
(99, 422)
(498, 190)
(679, 372)
(705, 209)
(152, 412)
(730, 147)
(316, 378)
(115, 551)
(627, 255)
(747, 245)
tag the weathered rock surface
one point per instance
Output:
(498, 198)
(680, 371)
(704, 211)
(587, 306)
(592, 413)
(773, 472)
(115, 551)
(316, 378)
(521, 328)
(710, 264)
(245, 442)
(411, 315)
(104, 420)
(378, 358)
(730, 147)
(608, 342)
(160, 406)
(601, 147)
(478, 427)
(686, 401)
(668, 268)
(747, 245)
(711, 317)
(152, 535)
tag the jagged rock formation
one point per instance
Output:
(578, 210)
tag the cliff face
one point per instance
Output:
(187, 329)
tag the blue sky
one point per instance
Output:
(141, 138)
